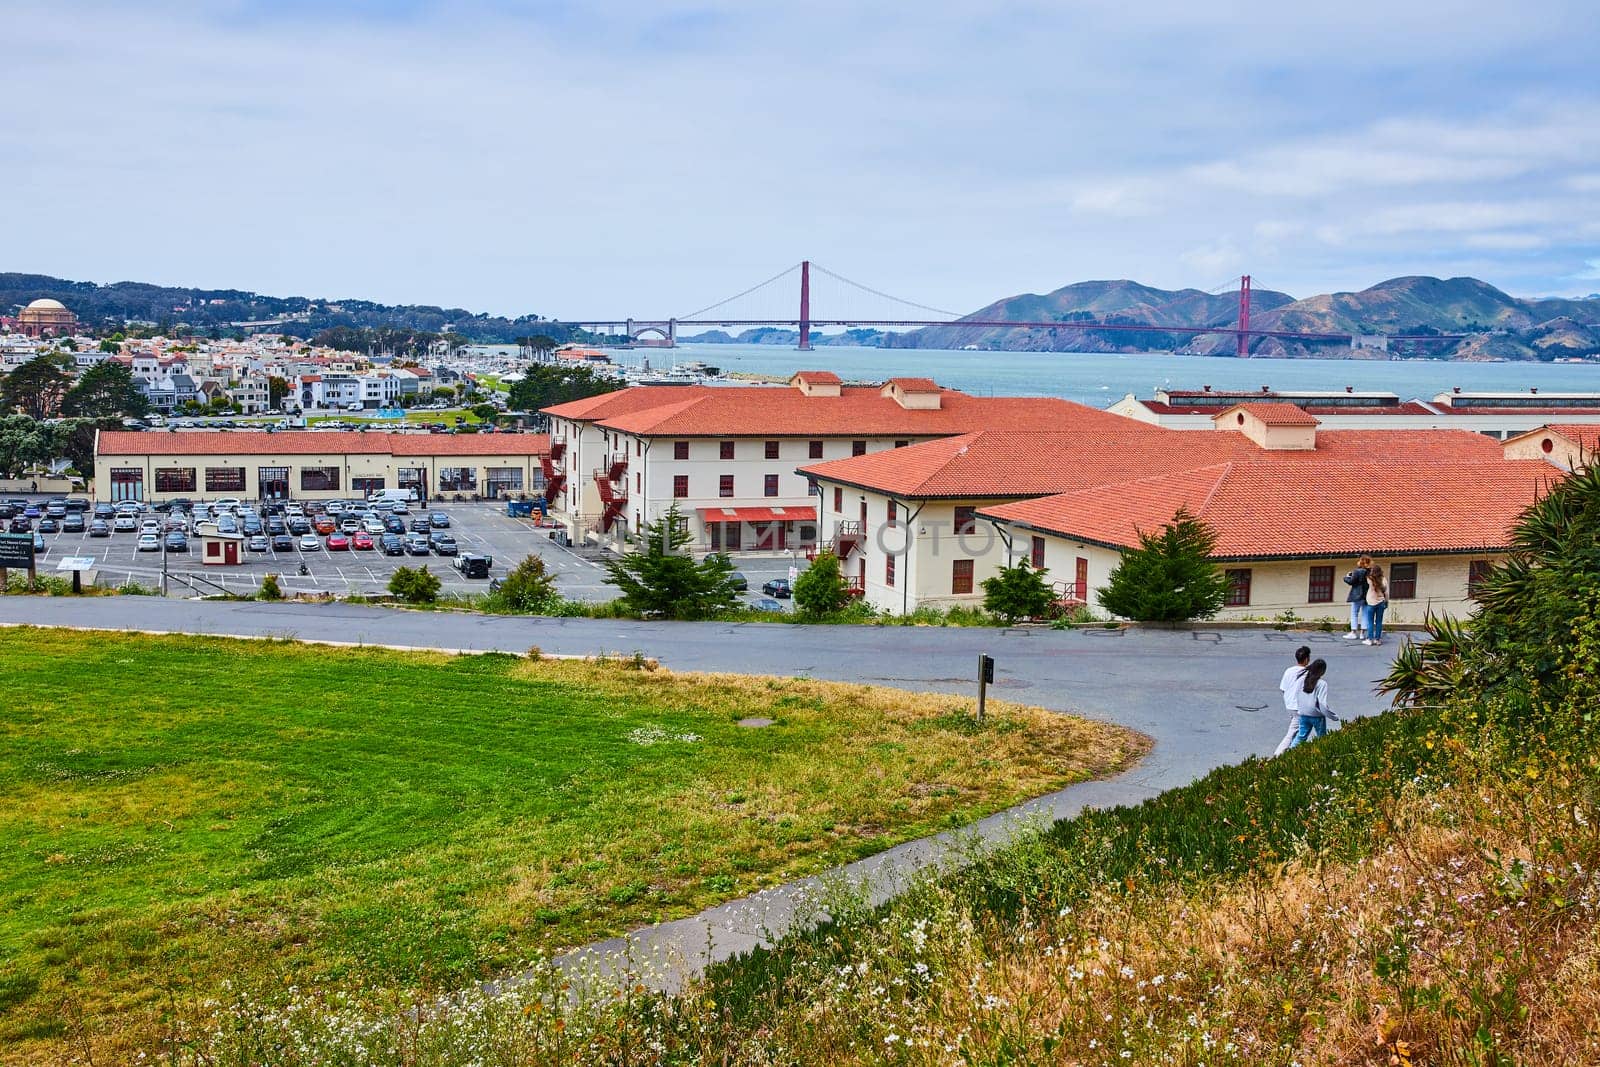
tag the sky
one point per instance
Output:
(609, 159)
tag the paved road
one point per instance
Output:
(1207, 698)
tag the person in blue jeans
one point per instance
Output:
(1377, 603)
(1357, 598)
(1311, 702)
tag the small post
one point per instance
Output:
(163, 570)
(985, 676)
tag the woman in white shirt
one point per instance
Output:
(1311, 702)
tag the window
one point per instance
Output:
(1403, 581)
(714, 535)
(1037, 555)
(1477, 573)
(638, 481)
(858, 448)
(1238, 588)
(368, 486)
(458, 479)
(966, 520)
(725, 485)
(174, 479)
(838, 500)
(680, 450)
(901, 444)
(500, 479)
(321, 479)
(961, 576)
(127, 483)
(733, 535)
(771, 488)
(816, 449)
(888, 571)
(772, 450)
(1320, 590)
(224, 479)
(894, 512)
(680, 486)
(727, 450)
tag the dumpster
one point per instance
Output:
(519, 509)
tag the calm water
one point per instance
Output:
(1102, 379)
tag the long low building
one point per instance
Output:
(314, 465)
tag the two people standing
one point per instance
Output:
(1305, 697)
(1368, 599)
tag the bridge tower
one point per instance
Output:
(805, 305)
(1243, 347)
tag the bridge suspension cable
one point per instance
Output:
(885, 296)
(759, 285)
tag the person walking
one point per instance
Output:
(1377, 603)
(1293, 675)
(1311, 704)
(1357, 598)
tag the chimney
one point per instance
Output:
(1349, 388)
(1534, 390)
(1207, 388)
(1456, 389)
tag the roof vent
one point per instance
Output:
(913, 394)
(1276, 427)
(816, 382)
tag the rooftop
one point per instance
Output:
(1273, 414)
(315, 442)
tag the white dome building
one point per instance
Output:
(47, 318)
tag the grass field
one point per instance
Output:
(175, 810)
(448, 417)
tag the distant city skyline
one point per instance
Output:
(627, 158)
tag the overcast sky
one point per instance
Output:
(593, 158)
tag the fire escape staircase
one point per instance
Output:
(555, 479)
(847, 537)
(612, 482)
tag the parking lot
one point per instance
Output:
(478, 528)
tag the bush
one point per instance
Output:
(661, 580)
(1018, 592)
(529, 589)
(415, 586)
(821, 589)
(270, 589)
(1170, 576)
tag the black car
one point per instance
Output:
(421, 525)
(282, 542)
(394, 524)
(778, 587)
(298, 525)
(104, 511)
(21, 524)
(176, 542)
(73, 523)
(77, 505)
(740, 582)
(392, 545)
(472, 566)
(99, 528)
(439, 520)
(443, 544)
(275, 525)
(48, 524)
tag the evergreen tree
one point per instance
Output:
(1170, 576)
(36, 388)
(542, 386)
(105, 389)
(1018, 592)
(661, 579)
(821, 590)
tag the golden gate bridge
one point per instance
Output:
(664, 332)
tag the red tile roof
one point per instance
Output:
(914, 385)
(1585, 435)
(820, 377)
(1407, 407)
(1297, 504)
(313, 442)
(1273, 414)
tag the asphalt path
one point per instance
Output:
(1207, 698)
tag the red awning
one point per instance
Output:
(758, 514)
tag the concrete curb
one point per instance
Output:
(297, 640)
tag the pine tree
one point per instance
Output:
(105, 389)
(1018, 592)
(1170, 576)
(663, 580)
(821, 590)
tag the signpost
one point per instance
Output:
(985, 676)
(77, 565)
(16, 553)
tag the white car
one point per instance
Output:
(373, 526)
(227, 503)
(334, 507)
(310, 543)
(399, 508)
(129, 507)
(150, 526)
(149, 542)
(293, 509)
(125, 523)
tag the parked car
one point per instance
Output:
(56, 509)
(391, 524)
(125, 523)
(282, 542)
(361, 541)
(325, 525)
(298, 525)
(103, 510)
(257, 543)
(73, 523)
(393, 545)
(21, 524)
(176, 542)
(443, 544)
(334, 507)
(349, 524)
(338, 542)
(250, 526)
(31, 510)
(418, 545)
(474, 566)
(99, 528)
(8, 510)
(77, 505)
(129, 507)
(766, 603)
(439, 520)
(740, 582)
(275, 525)
(421, 525)
(309, 543)
(778, 587)
(399, 508)
(49, 525)
(39, 547)
(149, 542)
(373, 526)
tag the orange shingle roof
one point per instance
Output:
(310, 442)
(819, 377)
(1273, 414)
(1585, 435)
(914, 385)
(1297, 504)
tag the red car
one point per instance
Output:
(361, 540)
(338, 543)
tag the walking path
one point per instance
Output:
(1206, 698)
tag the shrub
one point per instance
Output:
(1170, 576)
(529, 589)
(821, 589)
(1018, 592)
(415, 586)
(662, 580)
(270, 589)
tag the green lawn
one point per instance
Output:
(174, 810)
(448, 417)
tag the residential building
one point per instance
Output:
(1568, 446)
(727, 456)
(314, 464)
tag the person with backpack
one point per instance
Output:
(1357, 598)
(1292, 677)
(1377, 603)
(1311, 704)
